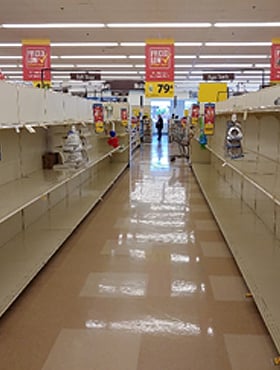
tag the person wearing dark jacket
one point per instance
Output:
(159, 126)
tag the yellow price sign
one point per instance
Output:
(159, 89)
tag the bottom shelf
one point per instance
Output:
(23, 256)
(253, 245)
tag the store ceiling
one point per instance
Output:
(126, 61)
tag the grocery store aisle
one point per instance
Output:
(145, 283)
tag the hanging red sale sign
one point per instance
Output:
(36, 56)
(275, 61)
(209, 118)
(159, 68)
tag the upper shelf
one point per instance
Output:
(262, 101)
(29, 189)
(23, 105)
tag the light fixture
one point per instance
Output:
(86, 44)
(120, 72)
(247, 24)
(8, 66)
(160, 25)
(62, 66)
(221, 65)
(132, 43)
(10, 44)
(10, 56)
(262, 65)
(139, 66)
(263, 56)
(113, 77)
(183, 43)
(104, 65)
(185, 56)
(183, 65)
(136, 57)
(238, 43)
(53, 25)
(181, 72)
(93, 57)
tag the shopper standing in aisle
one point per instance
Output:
(159, 126)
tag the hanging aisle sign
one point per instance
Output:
(159, 68)
(36, 56)
(275, 61)
(98, 118)
(209, 118)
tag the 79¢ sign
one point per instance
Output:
(159, 89)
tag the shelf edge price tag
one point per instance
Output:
(159, 89)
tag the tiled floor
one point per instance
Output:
(145, 283)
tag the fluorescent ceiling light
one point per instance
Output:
(139, 66)
(136, 57)
(181, 72)
(62, 66)
(233, 56)
(120, 72)
(185, 56)
(10, 44)
(239, 43)
(10, 56)
(132, 43)
(213, 71)
(15, 77)
(93, 57)
(12, 72)
(183, 65)
(8, 66)
(105, 65)
(76, 44)
(235, 65)
(256, 72)
(112, 77)
(247, 24)
(262, 65)
(160, 25)
(54, 25)
(188, 43)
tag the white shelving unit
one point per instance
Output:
(244, 195)
(41, 208)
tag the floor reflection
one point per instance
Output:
(160, 154)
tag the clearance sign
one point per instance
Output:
(275, 61)
(159, 68)
(36, 55)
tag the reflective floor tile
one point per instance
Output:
(115, 285)
(215, 249)
(228, 288)
(76, 349)
(206, 225)
(249, 352)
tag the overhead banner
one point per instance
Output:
(159, 81)
(98, 118)
(36, 56)
(209, 118)
(275, 61)
(195, 114)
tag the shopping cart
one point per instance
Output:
(182, 134)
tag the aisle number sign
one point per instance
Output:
(36, 56)
(159, 68)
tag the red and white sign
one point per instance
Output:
(209, 118)
(275, 61)
(36, 55)
(159, 60)
(195, 113)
